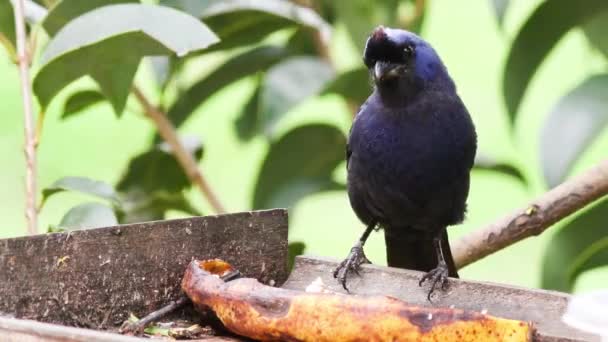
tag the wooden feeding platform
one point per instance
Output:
(82, 285)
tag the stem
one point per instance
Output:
(322, 49)
(186, 160)
(10, 49)
(28, 115)
(536, 217)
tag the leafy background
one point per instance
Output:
(538, 130)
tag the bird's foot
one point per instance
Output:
(351, 264)
(437, 276)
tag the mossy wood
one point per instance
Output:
(95, 278)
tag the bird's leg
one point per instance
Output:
(355, 258)
(438, 275)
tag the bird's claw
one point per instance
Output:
(438, 275)
(352, 263)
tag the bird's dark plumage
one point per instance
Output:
(409, 154)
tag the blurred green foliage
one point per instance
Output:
(287, 52)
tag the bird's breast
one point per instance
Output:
(394, 150)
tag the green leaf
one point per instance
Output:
(595, 30)
(573, 123)
(154, 182)
(163, 67)
(55, 229)
(354, 85)
(243, 22)
(299, 164)
(580, 245)
(7, 26)
(81, 101)
(289, 83)
(236, 68)
(66, 10)
(194, 7)
(88, 216)
(359, 18)
(488, 163)
(247, 123)
(141, 206)
(158, 170)
(157, 331)
(549, 22)
(108, 44)
(83, 185)
(33, 12)
(596, 255)
(500, 9)
(301, 42)
(294, 249)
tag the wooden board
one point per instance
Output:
(544, 308)
(95, 278)
(21, 330)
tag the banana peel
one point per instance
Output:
(249, 308)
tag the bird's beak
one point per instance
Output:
(384, 71)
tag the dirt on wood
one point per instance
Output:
(96, 278)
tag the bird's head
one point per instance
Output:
(401, 62)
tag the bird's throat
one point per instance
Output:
(394, 94)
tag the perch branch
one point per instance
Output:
(186, 160)
(23, 62)
(536, 217)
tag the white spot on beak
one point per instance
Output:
(377, 71)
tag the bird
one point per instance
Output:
(409, 155)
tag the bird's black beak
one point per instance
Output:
(384, 71)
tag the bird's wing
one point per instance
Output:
(348, 153)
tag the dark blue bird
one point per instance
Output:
(409, 155)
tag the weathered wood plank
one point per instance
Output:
(544, 308)
(95, 278)
(20, 330)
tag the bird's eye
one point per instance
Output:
(408, 51)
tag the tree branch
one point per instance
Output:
(23, 61)
(186, 160)
(535, 218)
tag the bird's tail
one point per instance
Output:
(414, 252)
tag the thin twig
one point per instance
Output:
(536, 217)
(186, 160)
(320, 43)
(31, 214)
(322, 48)
(139, 326)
